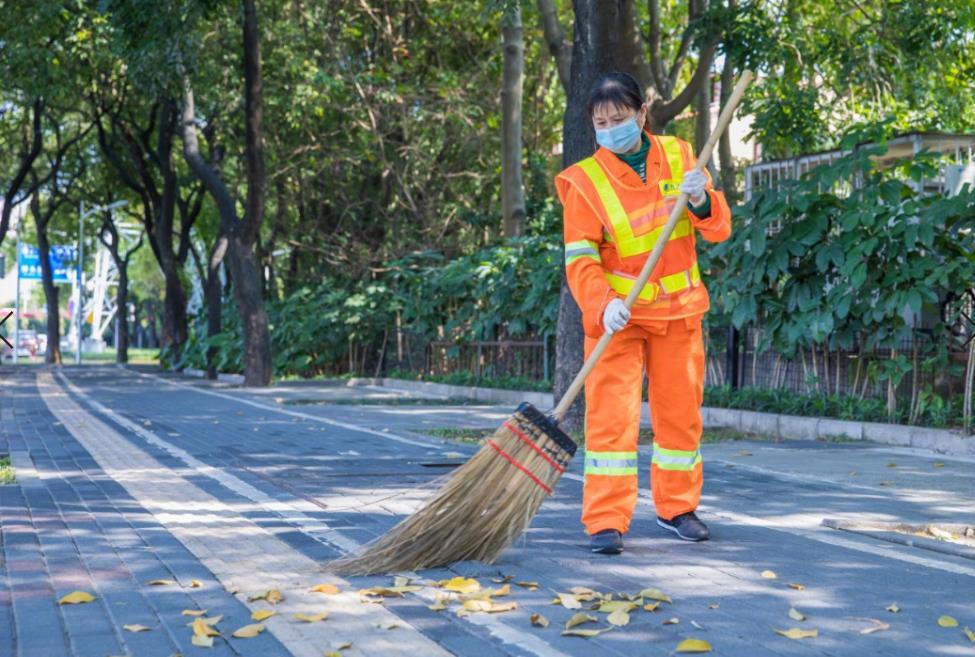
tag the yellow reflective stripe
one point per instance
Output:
(611, 203)
(644, 243)
(675, 158)
(675, 459)
(671, 284)
(581, 249)
(627, 244)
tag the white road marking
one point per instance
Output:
(255, 560)
(306, 416)
(502, 631)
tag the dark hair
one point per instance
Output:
(617, 89)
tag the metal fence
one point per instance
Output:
(735, 359)
(531, 358)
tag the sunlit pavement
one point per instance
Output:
(222, 493)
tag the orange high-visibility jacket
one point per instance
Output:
(611, 223)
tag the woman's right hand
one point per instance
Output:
(615, 316)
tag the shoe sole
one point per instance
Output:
(606, 551)
(679, 535)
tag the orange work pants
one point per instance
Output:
(671, 354)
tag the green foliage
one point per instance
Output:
(507, 290)
(936, 411)
(816, 263)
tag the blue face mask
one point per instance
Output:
(620, 138)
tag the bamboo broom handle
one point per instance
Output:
(702, 161)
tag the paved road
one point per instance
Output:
(125, 476)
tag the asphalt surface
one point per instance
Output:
(319, 468)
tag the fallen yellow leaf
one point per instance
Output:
(213, 620)
(579, 619)
(194, 612)
(160, 582)
(671, 621)
(797, 586)
(655, 594)
(504, 590)
(540, 621)
(195, 584)
(477, 605)
(569, 601)
(795, 614)
(768, 574)
(202, 641)
(136, 628)
(76, 598)
(262, 614)
(893, 608)
(248, 631)
(499, 607)
(947, 621)
(651, 606)
(582, 593)
(937, 464)
(439, 605)
(585, 633)
(693, 645)
(970, 634)
(798, 633)
(271, 595)
(613, 605)
(310, 618)
(327, 589)
(201, 628)
(531, 586)
(461, 585)
(619, 618)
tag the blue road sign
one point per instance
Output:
(60, 257)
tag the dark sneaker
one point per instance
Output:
(687, 525)
(608, 541)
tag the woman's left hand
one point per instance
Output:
(693, 185)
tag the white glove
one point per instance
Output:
(615, 316)
(693, 184)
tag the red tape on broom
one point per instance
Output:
(531, 443)
(518, 465)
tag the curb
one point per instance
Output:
(775, 425)
(236, 379)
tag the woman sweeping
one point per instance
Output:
(615, 205)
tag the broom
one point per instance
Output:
(486, 503)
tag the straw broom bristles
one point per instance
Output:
(483, 506)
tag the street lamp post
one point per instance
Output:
(82, 213)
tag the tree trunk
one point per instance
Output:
(560, 50)
(174, 329)
(53, 351)
(724, 143)
(512, 191)
(241, 235)
(247, 275)
(702, 123)
(214, 300)
(122, 315)
(250, 307)
(594, 51)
